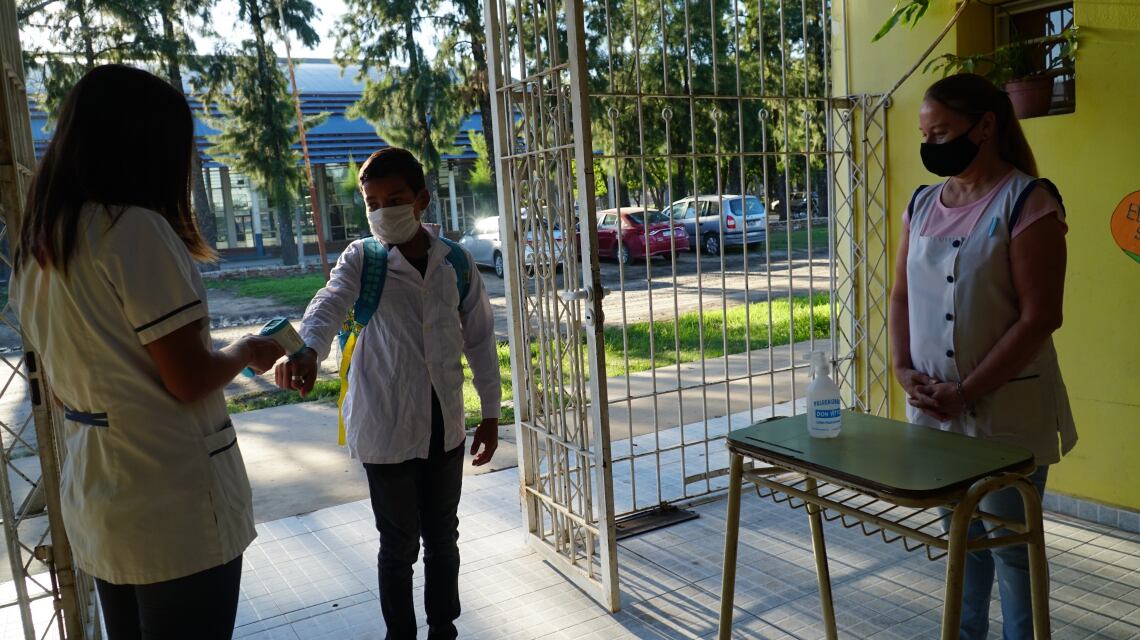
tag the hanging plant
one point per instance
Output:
(1014, 61)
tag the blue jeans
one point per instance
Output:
(1012, 564)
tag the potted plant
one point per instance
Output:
(1021, 67)
(1015, 67)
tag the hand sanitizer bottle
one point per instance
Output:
(823, 401)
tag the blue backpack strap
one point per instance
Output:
(458, 259)
(1019, 204)
(371, 280)
(913, 197)
(372, 276)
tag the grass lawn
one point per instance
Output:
(743, 327)
(293, 291)
(778, 240)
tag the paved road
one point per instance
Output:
(633, 297)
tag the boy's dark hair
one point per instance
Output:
(394, 161)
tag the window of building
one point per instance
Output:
(217, 205)
(345, 208)
(1048, 30)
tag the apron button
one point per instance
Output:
(949, 353)
(950, 279)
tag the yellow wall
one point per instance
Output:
(1093, 155)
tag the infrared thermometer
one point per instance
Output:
(283, 333)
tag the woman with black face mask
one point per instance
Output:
(977, 296)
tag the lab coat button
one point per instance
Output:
(949, 353)
(950, 279)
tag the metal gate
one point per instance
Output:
(42, 593)
(545, 180)
(739, 226)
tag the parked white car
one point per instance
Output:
(484, 243)
(486, 246)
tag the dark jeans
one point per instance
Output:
(201, 606)
(414, 499)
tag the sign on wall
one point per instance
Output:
(1126, 225)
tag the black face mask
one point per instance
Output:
(950, 158)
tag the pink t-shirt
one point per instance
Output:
(957, 222)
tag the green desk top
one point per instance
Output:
(882, 456)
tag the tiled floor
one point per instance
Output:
(314, 577)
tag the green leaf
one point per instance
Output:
(909, 13)
(889, 24)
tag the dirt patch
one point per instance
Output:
(228, 309)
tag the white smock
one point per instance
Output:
(962, 300)
(152, 488)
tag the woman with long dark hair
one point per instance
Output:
(155, 499)
(978, 292)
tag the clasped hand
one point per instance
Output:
(937, 399)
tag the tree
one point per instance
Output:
(162, 34)
(410, 101)
(349, 187)
(466, 53)
(80, 36)
(148, 33)
(257, 125)
(669, 51)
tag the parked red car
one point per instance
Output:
(663, 237)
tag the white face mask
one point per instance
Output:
(394, 225)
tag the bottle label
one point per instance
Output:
(826, 410)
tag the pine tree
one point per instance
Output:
(257, 126)
(411, 102)
(154, 34)
(163, 35)
(80, 36)
(466, 53)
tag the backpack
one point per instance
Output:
(372, 278)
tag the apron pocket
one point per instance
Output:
(229, 491)
(1017, 412)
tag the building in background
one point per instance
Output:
(246, 220)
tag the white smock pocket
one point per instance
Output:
(229, 491)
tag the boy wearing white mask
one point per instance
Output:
(403, 412)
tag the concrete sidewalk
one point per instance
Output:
(296, 467)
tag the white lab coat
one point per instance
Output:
(412, 343)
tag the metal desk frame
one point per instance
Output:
(915, 521)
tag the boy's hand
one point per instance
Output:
(299, 372)
(487, 435)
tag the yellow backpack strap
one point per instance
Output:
(371, 286)
(345, 359)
